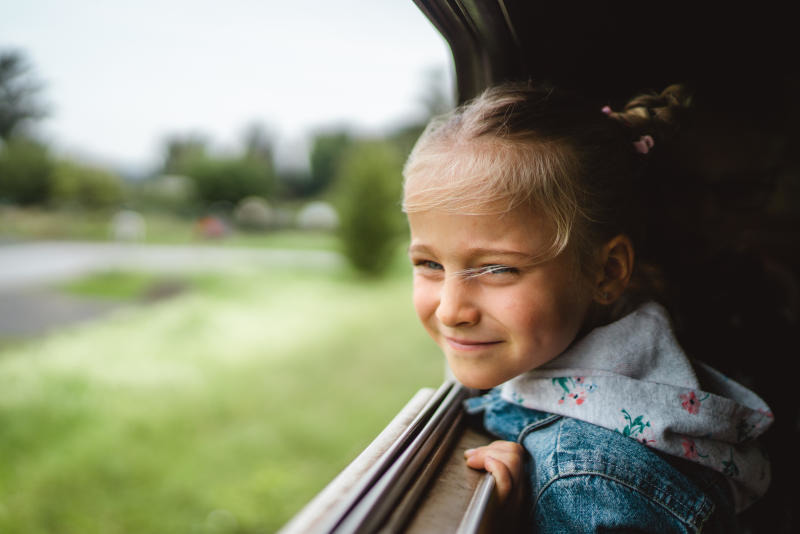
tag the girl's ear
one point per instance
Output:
(616, 260)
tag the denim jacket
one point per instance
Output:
(589, 472)
(585, 478)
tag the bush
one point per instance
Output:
(369, 194)
(28, 175)
(75, 184)
(253, 213)
(317, 215)
(25, 168)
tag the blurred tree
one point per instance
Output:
(230, 179)
(327, 150)
(369, 185)
(295, 183)
(25, 169)
(258, 143)
(180, 150)
(223, 180)
(76, 185)
(18, 93)
(259, 151)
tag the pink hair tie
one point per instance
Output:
(644, 144)
(606, 110)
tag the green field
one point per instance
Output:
(221, 410)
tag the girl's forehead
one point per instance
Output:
(458, 196)
(522, 229)
(467, 177)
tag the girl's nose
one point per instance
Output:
(455, 305)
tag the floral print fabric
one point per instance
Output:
(633, 377)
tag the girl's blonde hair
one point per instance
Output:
(525, 144)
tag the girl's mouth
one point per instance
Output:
(467, 344)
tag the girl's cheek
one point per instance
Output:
(425, 297)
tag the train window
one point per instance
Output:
(185, 345)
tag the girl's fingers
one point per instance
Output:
(504, 459)
(502, 477)
(508, 446)
(512, 461)
(506, 451)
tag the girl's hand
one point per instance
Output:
(505, 461)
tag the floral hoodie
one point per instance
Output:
(633, 377)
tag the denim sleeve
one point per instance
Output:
(584, 478)
(589, 479)
(590, 504)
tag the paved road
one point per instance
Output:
(38, 263)
(30, 312)
(28, 307)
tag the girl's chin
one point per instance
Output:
(476, 380)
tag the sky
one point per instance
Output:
(119, 77)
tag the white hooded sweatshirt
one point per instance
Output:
(632, 376)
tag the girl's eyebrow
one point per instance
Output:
(498, 252)
(477, 252)
(416, 247)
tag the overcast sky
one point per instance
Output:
(121, 76)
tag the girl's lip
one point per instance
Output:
(466, 344)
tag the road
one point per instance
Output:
(29, 307)
(38, 263)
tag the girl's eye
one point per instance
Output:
(502, 271)
(498, 269)
(428, 264)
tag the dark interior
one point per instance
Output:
(725, 226)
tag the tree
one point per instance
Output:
(181, 150)
(326, 154)
(369, 182)
(18, 93)
(25, 171)
(85, 186)
(258, 143)
(230, 179)
(224, 179)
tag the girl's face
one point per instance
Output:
(507, 314)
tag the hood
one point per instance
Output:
(633, 377)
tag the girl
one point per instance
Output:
(525, 207)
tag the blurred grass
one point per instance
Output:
(126, 285)
(222, 410)
(115, 285)
(286, 239)
(40, 224)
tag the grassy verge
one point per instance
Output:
(223, 410)
(37, 224)
(116, 285)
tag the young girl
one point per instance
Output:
(525, 208)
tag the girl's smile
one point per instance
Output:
(479, 290)
(468, 345)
